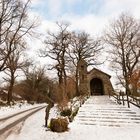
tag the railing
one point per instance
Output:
(123, 98)
(134, 100)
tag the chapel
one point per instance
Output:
(93, 82)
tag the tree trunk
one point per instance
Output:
(77, 89)
(10, 90)
(48, 108)
(127, 92)
(65, 84)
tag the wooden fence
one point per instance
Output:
(122, 98)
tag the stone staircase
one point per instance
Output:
(102, 111)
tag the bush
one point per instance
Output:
(66, 112)
(31, 102)
(2, 103)
(59, 125)
(74, 113)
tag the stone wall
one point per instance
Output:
(86, 77)
(105, 78)
(83, 82)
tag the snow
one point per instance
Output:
(33, 129)
(13, 119)
(7, 110)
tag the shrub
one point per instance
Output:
(59, 124)
(66, 112)
(74, 113)
(31, 102)
(2, 103)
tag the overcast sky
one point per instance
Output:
(89, 15)
(92, 16)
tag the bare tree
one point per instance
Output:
(124, 38)
(15, 62)
(37, 86)
(14, 25)
(56, 48)
(34, 79)
(83, 47)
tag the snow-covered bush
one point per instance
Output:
(73, 114)
(75, 105)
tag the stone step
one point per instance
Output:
(105, 106)
(107, 124)
(101, 111)
(108, 119)
(111, 112)
(108, 115)
(107, 109)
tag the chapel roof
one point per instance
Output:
(95, 69)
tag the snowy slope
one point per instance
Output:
(33, 128)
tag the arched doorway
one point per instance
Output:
(96, 87)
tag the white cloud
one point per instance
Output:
(35, 2)
(54, 7)
(91, 23)
(71, 2)
(115, 7)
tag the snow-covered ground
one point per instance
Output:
(33, 129)
(7, 110)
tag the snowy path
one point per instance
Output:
(2, 119)
(98, 119)
(7, 124)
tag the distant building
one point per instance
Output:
(94, 82)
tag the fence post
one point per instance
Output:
(109, 94)
(123, 98)
(119, 101)
(127, 98)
